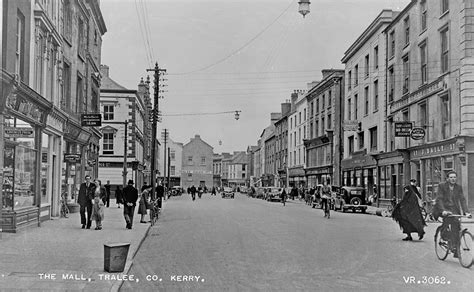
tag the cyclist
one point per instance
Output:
(283, 196)
(325, 198)
(451, 201)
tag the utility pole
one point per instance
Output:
(169, 168)
(164, 135)
(125, 142)
(158, 71)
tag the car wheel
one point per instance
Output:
(356, 201)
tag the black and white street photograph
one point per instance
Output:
(237, 145)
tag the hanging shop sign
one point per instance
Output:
(91, 120)
(72, 158)
(12, 132)
(418, 133)
(403, 129)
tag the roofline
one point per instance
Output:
(400, 15)
(325, 80)
(368, 32)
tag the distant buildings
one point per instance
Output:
(197, 164)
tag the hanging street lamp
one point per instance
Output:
(304, 7)
(237, 115)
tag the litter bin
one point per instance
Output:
(115, 256)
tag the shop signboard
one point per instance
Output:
(403, 129)
(351, 125)
(13, 132)
(72, 158)
(418, 133)
(91, 120)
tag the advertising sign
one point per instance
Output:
(351, 125)
(91, 120)
(418, 133)
(72, 158)
(403, 129)
(13, 132)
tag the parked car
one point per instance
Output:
(260, 193)
(227, 193)
(351, 198)
(176, 191)
(273, 194)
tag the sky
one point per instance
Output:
(227, 55)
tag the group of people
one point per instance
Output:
(93, 198)
(449, 201)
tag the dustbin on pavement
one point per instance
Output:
(115, 256)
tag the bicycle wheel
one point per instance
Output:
(424, 214)
(465, 249)
(441, 245)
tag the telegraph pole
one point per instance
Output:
(169, 168)
(164, 135)
(125, 144)
(158, 71)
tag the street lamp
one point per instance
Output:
(304, 7)
(237, 115)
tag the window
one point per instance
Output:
(291, 122)
(67, 25)
(108, 112)
(81, 44)
(317, 105)
(356, 75)
(373, 139)
(79, 93)
(360, 137)
(66, 101)
(444, 50)
(424, 120)
(39, 63)
(392, 44)
(376, 95)
(323, 102)
(203, 160)
(190, 160)
(299, 136)
(406, 118)
(366, 103)
(367, 66)
(376, 57)
(316, 128)
(172, 170)
(406, 24)
(304, 114)
(424, 65)
(299, 114)
(356, 104)
(243, 167)
(329, 121)
(172, 155)
(323, 126)
(190, 176)
(351, 144)
(108, 143)
(349, 111)
(423, 14)
(406, 74)
(445, 116)
(311, 109)
(329, 98)
(311, 130)
(304, 132)
(349, 80)
(391, 84)
(444, 6)
(20, 45)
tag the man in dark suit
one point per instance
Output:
(86, 195)
(451, 201)
(160, 192)
(129, 198)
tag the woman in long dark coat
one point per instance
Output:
(143, 203)
(407, 213)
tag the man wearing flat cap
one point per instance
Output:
(129, 197)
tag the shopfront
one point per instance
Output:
(23, 114)
(296, 177)
(319, 175)
(360, 170)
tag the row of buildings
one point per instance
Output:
(401, 108)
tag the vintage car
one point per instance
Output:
(272, 194)
(260, 193)
(227, 193)
(351, 198)
(176, 191)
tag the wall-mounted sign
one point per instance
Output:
(13, 132)
(91, 120)
(403, 129)
(351, 125)
(418, 133)
(72, 158)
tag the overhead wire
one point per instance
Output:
(149, 61)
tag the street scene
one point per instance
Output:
(283, 145)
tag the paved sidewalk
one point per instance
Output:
(62, 248)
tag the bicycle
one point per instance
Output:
(388, 211)
(326, 204)
(427, 211)
(444, 245)
(64, 209)
(154, 211)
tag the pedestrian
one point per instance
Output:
(407, 212)
(86, 195)
(144, 204)
(326, 197)
(107, 192)
(294, 192)
(193, 192)
(118, 196)
(98, 205)
(130, 197)
(160, 192)
(283, 196)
